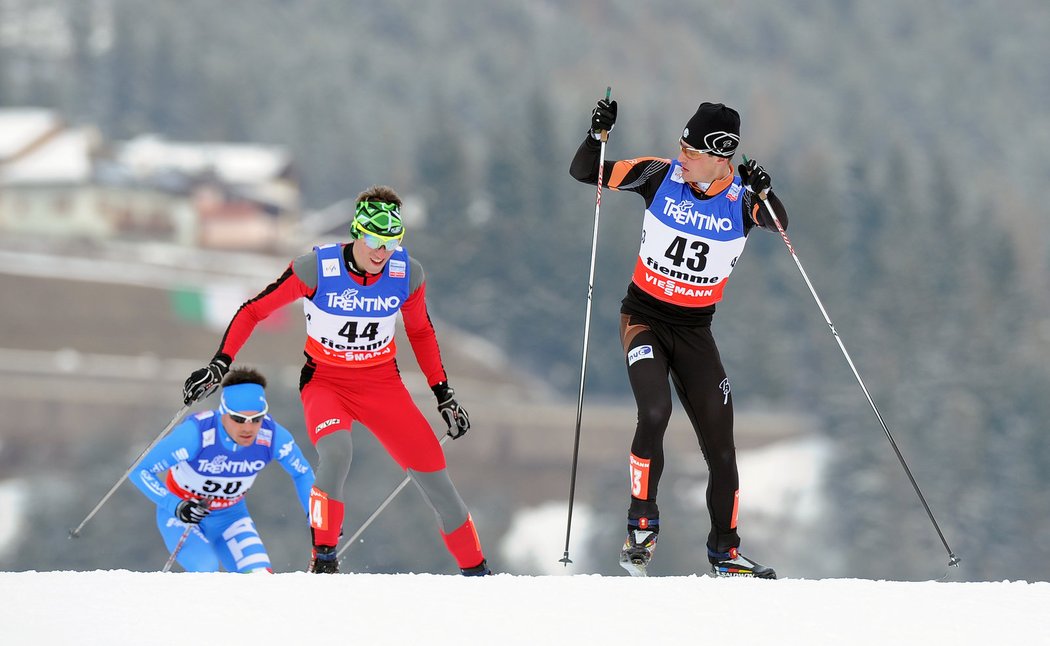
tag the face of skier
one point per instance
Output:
(243, 426)
(368, 259)
(702, 168)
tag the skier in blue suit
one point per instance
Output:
(212, 459)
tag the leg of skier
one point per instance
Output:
(237, 541)
(407, 436)
(705, 393)
(647, 367)
(335, 452)
(197, 553)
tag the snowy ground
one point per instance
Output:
(120, 607)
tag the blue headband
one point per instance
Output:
(240, 398)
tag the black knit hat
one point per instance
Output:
(714, 129)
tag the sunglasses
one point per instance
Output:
(375, 241)
(720, 144)
(247, 419)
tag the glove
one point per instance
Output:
(603, 118)
(454, 415)
(200, 383)
(192, 511)
(754, 176)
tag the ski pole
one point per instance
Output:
(182, 541)
(75, 533)
(586, 338)
(379, 510)
(953, 560)
(178, 548)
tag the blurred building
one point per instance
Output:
(57, 180)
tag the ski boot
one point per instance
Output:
(639, 545)
(481, 569)
(324, 560)
(733, 563)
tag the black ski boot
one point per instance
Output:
(638, 548)
(733, 563)
(324, 560)
(481, 569)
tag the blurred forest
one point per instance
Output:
(909, 141)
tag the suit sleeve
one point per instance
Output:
(183, 443)
(641, 175)
(288, 288)
(295, 464)
(420, 329)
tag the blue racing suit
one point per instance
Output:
(202, 461)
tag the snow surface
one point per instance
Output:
(121, 607)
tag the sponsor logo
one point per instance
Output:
(681, 275)
(670, 288)
(397, 268)
(349, 299)
(151, 483)
(641, 352)
(330, 267)
(223, 464)
(683, 213)
(734, 192)
(181, 454)
(299, 467)
(361, 348)
(724, 387)
(265, 437)
(325, 424)
(285, 449)
(208, 437)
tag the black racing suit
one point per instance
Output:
(684, 348)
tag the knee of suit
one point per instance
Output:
(653, 418)
(722, 459)
(442, 496)
(335, 453)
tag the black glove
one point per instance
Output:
(201, 382)
(454, 415)
(603, 118)
(754, 176)
(192, 511)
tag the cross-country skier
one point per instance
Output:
(215, 456)
(696, 221)
(353, 294)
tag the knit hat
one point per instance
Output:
(714, 129)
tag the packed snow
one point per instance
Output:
(120, 607)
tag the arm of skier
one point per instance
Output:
(183, 443)
(420, 329)
(288, 288)
(295, 464)
(420, 332)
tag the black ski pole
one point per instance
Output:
(586, 338)
(953, 560)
